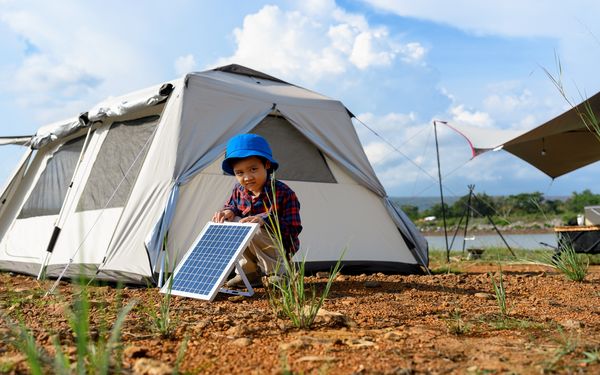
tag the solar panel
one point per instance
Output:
(210, 260)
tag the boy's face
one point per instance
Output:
(251, 173)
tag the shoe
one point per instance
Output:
(238, 282)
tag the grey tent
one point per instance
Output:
(557, 147)
(101, 191)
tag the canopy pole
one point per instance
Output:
(437, 151)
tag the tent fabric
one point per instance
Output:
(557, 147)
(178, 185)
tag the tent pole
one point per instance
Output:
(437, 151)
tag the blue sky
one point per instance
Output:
(397, 65)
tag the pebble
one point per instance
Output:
(147, 366)
(135, 351)
(571, 324)
(341, 278)
(483, 295)
(242, 341)
(322, 275)
(393, 336)
(295, 344)
(316, 358)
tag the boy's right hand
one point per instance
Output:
(222, 216)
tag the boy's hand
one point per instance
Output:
(222, 216)
(253, 219)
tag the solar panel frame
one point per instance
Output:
(204, 267)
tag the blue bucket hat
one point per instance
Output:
(246, 145)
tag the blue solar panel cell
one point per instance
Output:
(211, 258)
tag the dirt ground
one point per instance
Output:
(372, 324)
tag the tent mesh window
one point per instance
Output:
(49, 193)
(299, 159)
(118, 164)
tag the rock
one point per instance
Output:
(242, 342)
(393, 336)
(571, 324)
(372, 284)
(237, 331)
(236, 298)
(315, 358)
(147, 366)
(359, 343)
(483, 295)
(202, 324)
(322, 275)
(295, 344)
(341, 278)
(135, 351)
(472, 369)
(335, 317)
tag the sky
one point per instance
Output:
(396, 65)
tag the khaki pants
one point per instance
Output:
(261, 255)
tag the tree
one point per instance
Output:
(410, 210)
(578, 201)
(526, 203)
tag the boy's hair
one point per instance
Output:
(232, 161)
(245, 145)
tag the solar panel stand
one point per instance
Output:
(249, 290)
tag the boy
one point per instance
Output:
(249, 159)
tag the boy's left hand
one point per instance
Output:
(252, 219)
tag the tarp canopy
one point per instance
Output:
(557, 147)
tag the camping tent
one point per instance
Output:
(557, 147)
(100, 192)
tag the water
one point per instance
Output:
(516, 241)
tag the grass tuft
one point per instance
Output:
(500, 294)
(288, 294)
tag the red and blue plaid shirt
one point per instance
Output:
(244, 204)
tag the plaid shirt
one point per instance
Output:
(244, 204)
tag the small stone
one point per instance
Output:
(483, 295)
(372, 284)
(322, 275)
(147, 366)
(571, 324)
(341, 278)
(472, 368)
(295, 344)
(242, 341)
(135, 351)
(315, 358)
(393, 336)
(237, 331)
(236, 298)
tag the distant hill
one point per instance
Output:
(427, 202)
(422, 202)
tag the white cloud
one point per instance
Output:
(473, 118)
(311, 43)
(185, 64)
(552, 18)
(68, 61)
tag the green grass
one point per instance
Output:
(456, 325)
(592, 356)
(288, 295)
(500, 294)
(95, 353)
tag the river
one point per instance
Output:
(517, 241)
